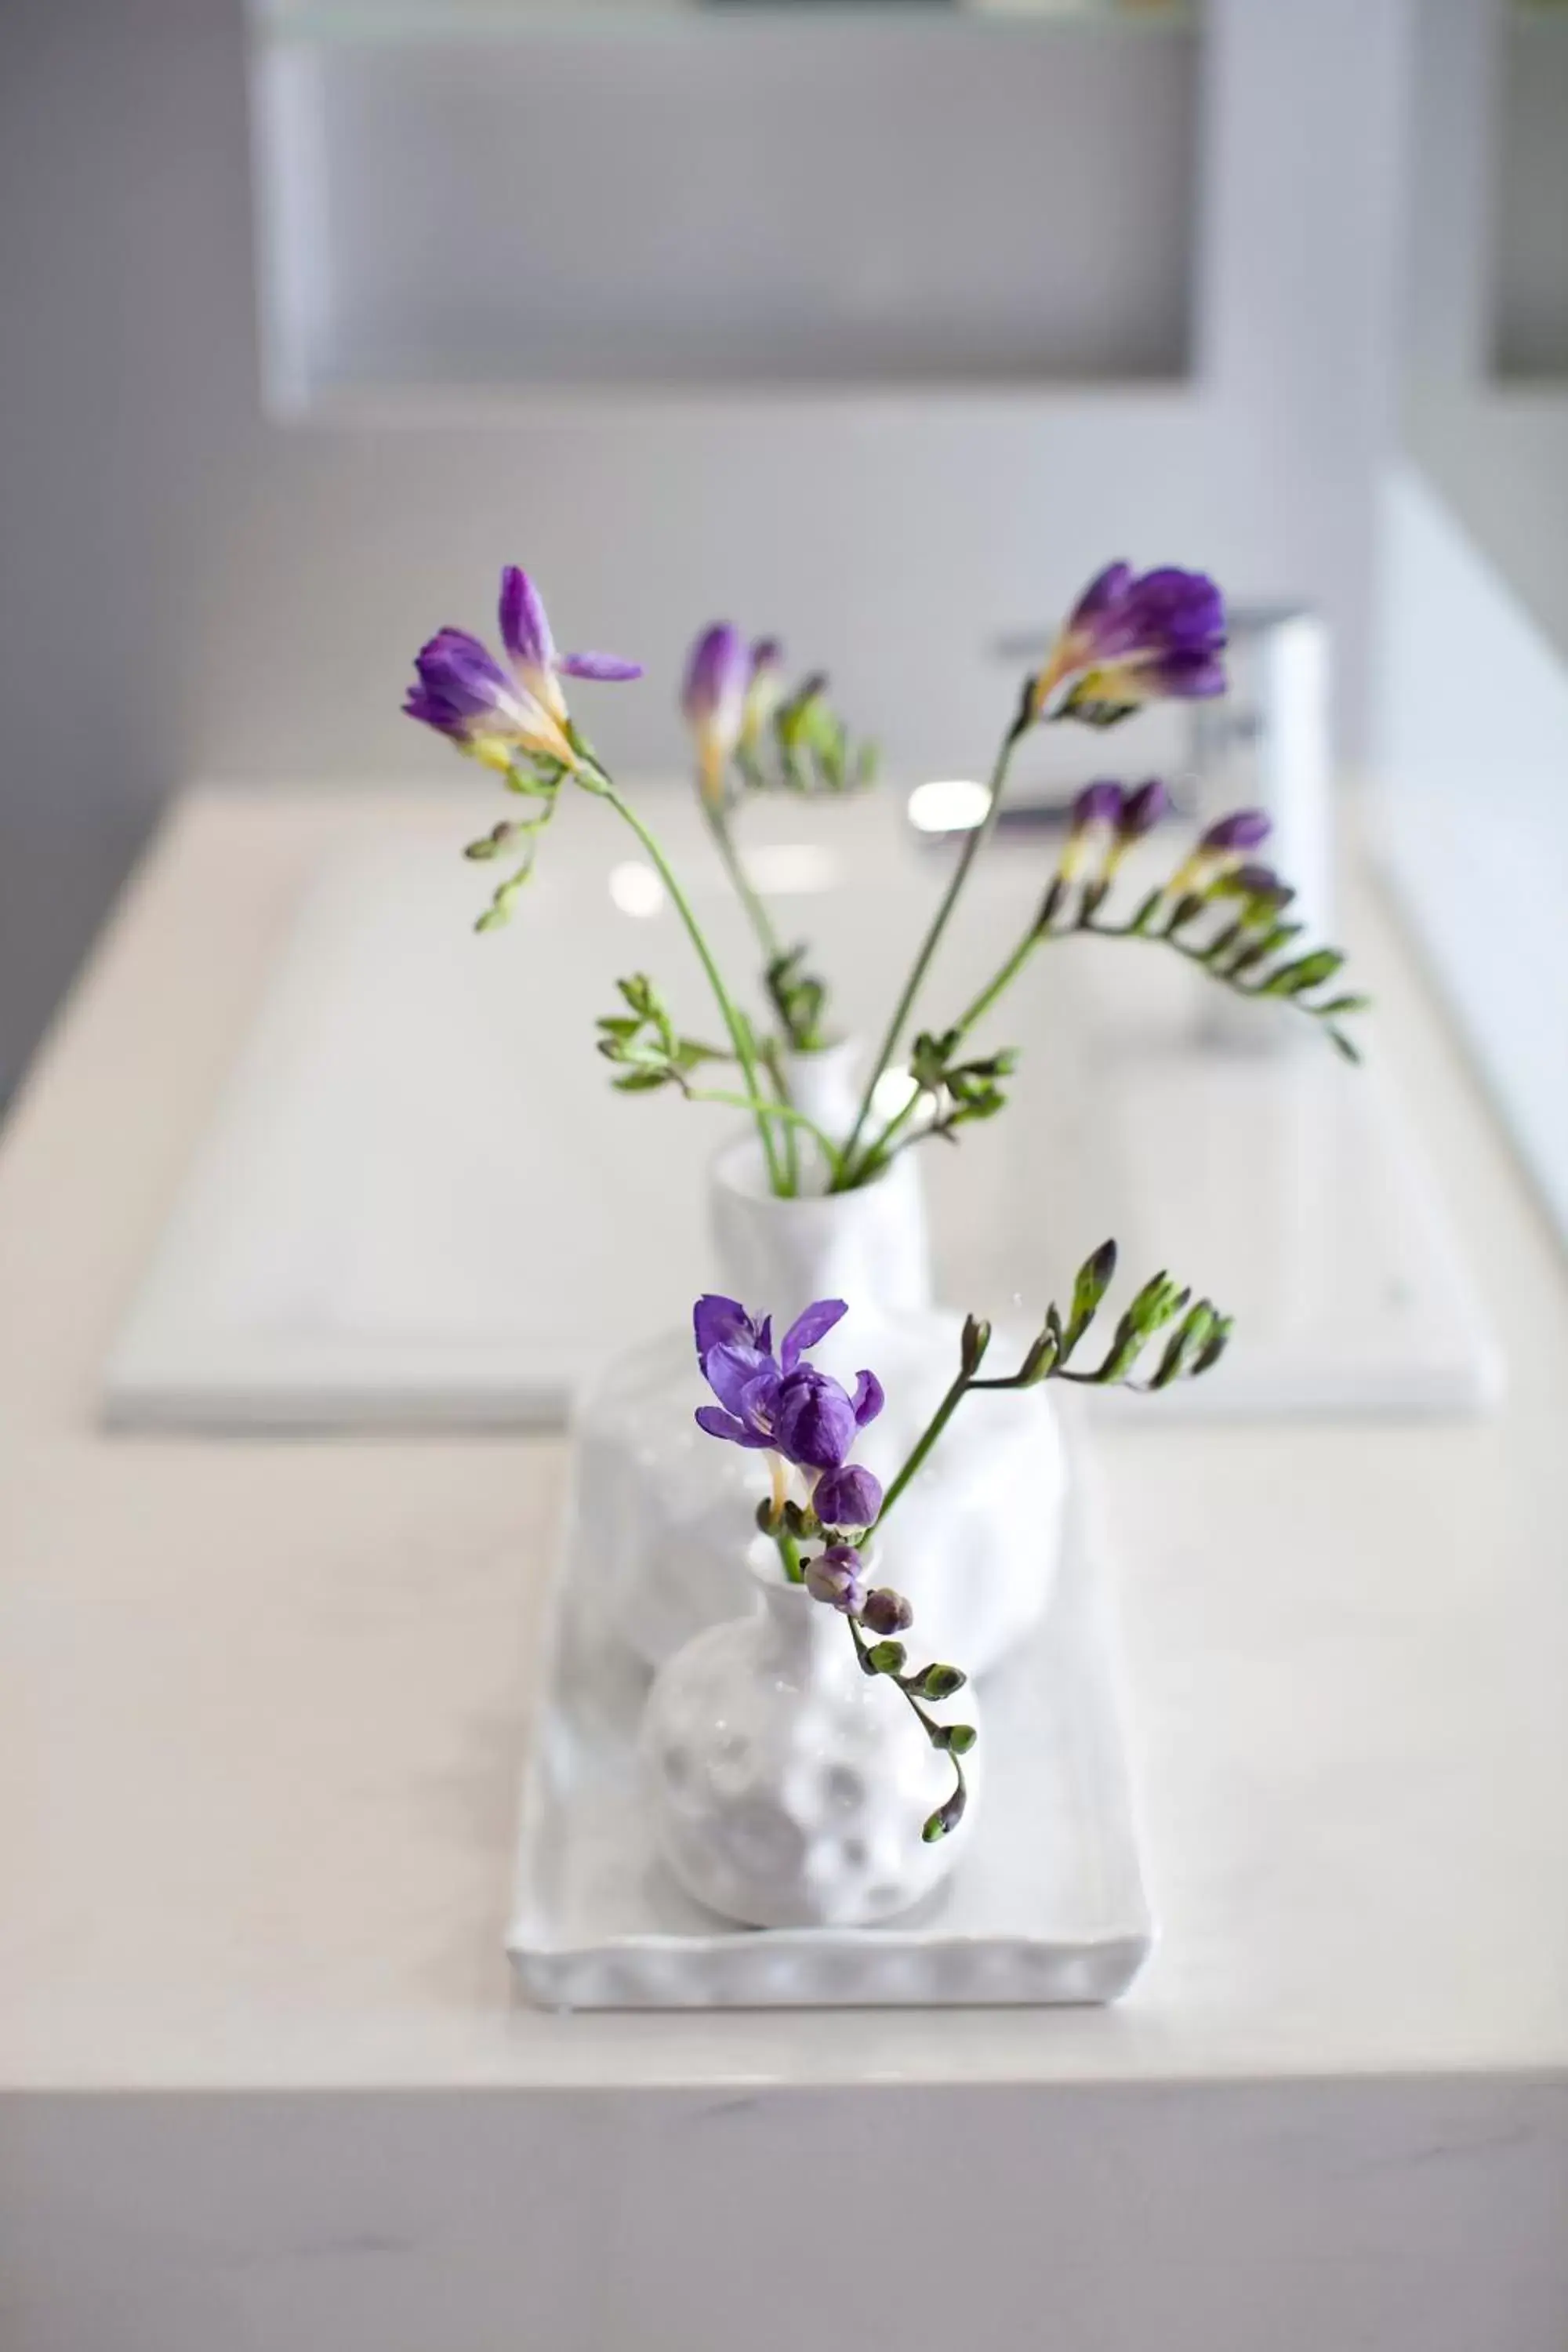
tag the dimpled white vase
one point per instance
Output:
(787, 1788)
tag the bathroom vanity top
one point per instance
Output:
(263, 1697)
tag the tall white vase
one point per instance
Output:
(788, 1789)
(972, 1546)
(668, 1508)
(868, 1246)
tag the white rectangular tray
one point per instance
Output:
(1047, 1906)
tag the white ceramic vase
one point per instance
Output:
(974, 1544)
(787, 1788)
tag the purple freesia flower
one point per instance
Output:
(885, 1612)
(1132, 638)
(1223, 851)
(848, 1497)
(1098, 804)
(1097, 807)
(813, 1420)
(718, 677)
(781, 1404)
(493, 712)
(835, 1577)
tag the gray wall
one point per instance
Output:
(191, 589)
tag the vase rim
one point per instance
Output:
(744, 1151)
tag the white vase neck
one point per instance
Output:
(867, 1246)
(826, 1085)
(804, 1638)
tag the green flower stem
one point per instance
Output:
(1001, 981)
(789, 1554)
(970, 851)
(1240, 982)
(875, 1154)
(774, 1064)
(761, 922)
(928, 1723)
(745, 889)
(739, 1032)
(1008, 973)
(923, 1443)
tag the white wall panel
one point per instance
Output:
(726, 197)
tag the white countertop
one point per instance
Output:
(261, 1698)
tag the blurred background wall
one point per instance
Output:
(198, 588)
(1470, 741)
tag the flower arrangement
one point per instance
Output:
(1131, 639)
(806, 1424)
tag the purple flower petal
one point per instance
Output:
(717, 1423)
(868, 1399)
(464, 674)
(757, 1396)
(1098, 804)
(1190, 677)
(1107, 588)
(717, 674)
(835, 1577)
(716, 1320)
(732, 1370)
(1242, 829)
(814, 1324)
(848, 1497)
(1142, 810)
(1177, 609)
(813, 1420)
(524, 625)
(607, 667)
(434, 710)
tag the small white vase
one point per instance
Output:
(788, 1789)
